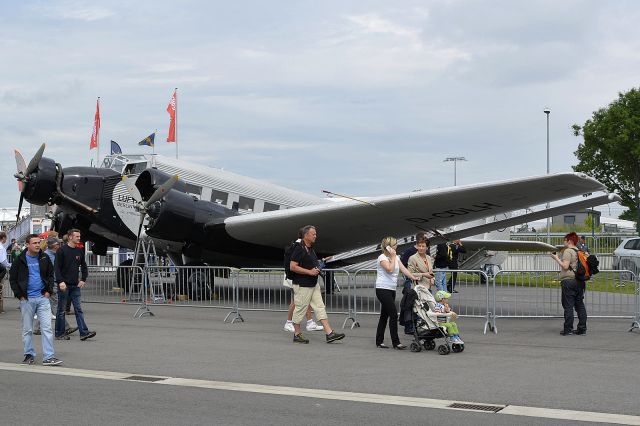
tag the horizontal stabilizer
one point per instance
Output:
(517, 220)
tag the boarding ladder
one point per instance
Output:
(146, 288)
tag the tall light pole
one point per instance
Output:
(455, 167)
(547, 111)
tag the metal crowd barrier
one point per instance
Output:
(471, 300)
(544, 262)
(508, 294)
(537, 294)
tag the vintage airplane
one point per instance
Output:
(220, 218)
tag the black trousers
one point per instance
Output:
(453, 279)
(573, 298)
(388, 311)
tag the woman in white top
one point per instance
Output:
(388, 267)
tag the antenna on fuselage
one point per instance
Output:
(348, 197)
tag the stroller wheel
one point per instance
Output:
(456, 347)
(414, 347)
(429, 345)
(443, 350)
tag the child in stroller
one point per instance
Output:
(429, 324)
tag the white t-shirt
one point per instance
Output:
(384, 279)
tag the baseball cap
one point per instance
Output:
(51, 241)
(441, 294)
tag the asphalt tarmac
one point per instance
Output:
(206, 371)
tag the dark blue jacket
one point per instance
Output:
(19, 274)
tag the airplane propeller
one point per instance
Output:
(143, 206)
(23, 172)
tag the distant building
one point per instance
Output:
(576, 218)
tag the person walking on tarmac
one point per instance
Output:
(572, 289)
(305, 267)
(31, 279)
(69, 259)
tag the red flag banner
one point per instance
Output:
(171, 109)
(96, 127)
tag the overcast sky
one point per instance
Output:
(357, 97)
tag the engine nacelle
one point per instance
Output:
(150, 179)
(181, 217)
(41, 185)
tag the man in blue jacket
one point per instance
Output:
(31, 279)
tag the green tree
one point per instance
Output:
(611, 149)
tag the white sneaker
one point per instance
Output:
(288, 326)
(313, 326)
(460, 341)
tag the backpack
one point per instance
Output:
(288, 251)
(586, 265)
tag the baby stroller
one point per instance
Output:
(425, 325)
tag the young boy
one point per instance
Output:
(442, 306)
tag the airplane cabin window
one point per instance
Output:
(219, 197)
(269, 207)
(194, 189)
(246, 203)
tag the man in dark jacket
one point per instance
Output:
(31, 279)
(69, 260)
(456, 249)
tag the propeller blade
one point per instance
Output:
(19, 208)
(132, 188)
(21, 167)
(142, 215)
(162, 191)
(33, 164)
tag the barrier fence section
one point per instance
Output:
(537, 294)
(263, 289)
(471, 300)
(543, 262)
(508, 294)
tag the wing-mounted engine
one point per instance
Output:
(177, 216)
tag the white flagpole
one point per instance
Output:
(98, 137)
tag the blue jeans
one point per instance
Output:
(441, 279)
(42, 307)
(72, 291)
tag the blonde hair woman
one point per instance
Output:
(388, 267)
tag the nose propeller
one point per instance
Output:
(23, 171)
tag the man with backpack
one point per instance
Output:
(288, 277)
(573, 288)
(305, 267)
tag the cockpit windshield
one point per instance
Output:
(127, 165)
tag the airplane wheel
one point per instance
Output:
(196, 281)
(123, 275)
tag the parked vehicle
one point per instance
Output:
(627, 255)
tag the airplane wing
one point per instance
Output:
(351, 224)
